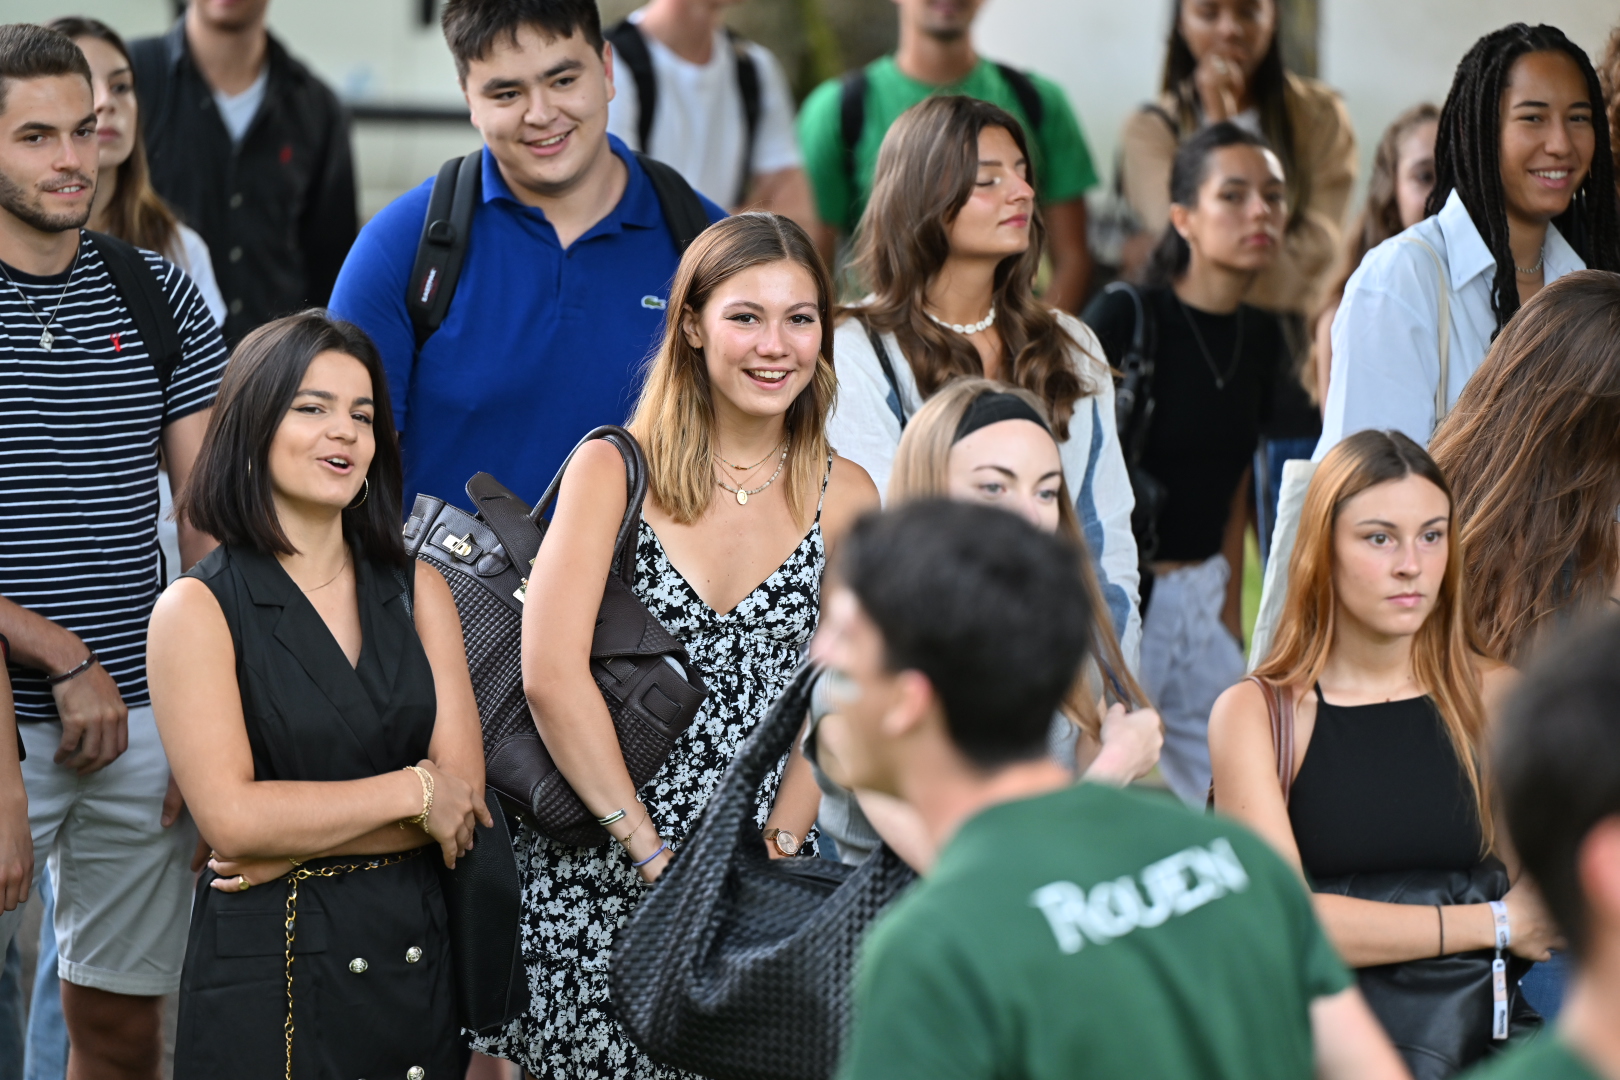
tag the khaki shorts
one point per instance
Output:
(122, 881)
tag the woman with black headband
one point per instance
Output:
(981, 441)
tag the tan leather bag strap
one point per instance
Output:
(1440, 404)
(1280, 710)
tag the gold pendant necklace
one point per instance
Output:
(742, 496)
(747, 468)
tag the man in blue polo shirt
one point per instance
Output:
(561, 296)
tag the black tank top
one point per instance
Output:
(1381, 790)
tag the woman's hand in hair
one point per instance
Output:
(1535, 934)
(456, 810)
(1130, 746)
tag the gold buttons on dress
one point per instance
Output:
(415, 1072)
(358, 965)
(412, 955)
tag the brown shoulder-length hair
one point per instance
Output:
(228, 495)
(925, 173)
(1443, 655)
(674, 417)
(922, 471)
(1533, 451)
(137, 214)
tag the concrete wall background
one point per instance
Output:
(1382, 54)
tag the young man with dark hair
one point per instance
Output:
(566, 269)
(843, 121)
(1064, 930)
(253, 150)
(1557, 767)
(110, 356)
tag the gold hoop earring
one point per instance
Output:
(365, 493)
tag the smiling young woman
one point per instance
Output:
(1390, 707)
(1523, 194)
(316, 710)
(744, 499)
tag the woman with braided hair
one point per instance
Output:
(1524, 194)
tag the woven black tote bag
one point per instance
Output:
(737, 966)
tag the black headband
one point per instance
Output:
(993, 408)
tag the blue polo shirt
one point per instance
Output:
(540, 344)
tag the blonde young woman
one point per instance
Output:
(1390, 710)
(744, 499)
(982, 441)
(949, 246)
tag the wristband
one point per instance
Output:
(1504, 932)
(74, 672)
(617, 815)
(663, 847)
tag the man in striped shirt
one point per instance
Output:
(86, 405)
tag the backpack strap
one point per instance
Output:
(1444, 323)
(683, 210)
(851, 121)
(446, 231)
(748, 89)
(143, 296)
(888, 371)
(631, 47)
(1028, 95)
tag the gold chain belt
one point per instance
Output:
(303, 874)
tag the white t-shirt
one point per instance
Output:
(191, 255)
(698, 127)
(238, 110)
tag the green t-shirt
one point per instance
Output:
(1061, 159)
(1545, 1057)
(1094, 932)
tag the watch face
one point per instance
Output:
(786, 843)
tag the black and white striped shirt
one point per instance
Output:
(79, 430)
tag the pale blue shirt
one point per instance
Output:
(1386, 343)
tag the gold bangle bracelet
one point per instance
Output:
(427, 797)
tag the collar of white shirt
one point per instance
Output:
(1467, 257)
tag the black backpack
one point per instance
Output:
(447, 229)
(631, 47)
(142, 293)
(852, 109)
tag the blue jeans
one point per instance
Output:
(47, 1028)
(1268, 467)
(1544, 985)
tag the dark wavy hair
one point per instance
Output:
(925, 173)
(1467, 158)
(228, 495)
(1269, 93)
(1188, 172)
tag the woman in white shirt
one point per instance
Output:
(126, 205)
(949, 245)
(1524, 194)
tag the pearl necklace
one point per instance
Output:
(971, 328)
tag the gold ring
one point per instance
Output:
(242, 883)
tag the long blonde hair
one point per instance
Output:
(1442, 650)
(674, 417)
(922, 470)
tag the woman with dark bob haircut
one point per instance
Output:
(312, 693)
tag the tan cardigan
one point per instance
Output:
(1324, 144)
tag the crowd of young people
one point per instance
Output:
(1008, 535)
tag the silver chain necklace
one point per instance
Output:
(46, 338)
(1237, 347)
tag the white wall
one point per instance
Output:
(1383, 55)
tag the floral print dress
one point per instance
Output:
(576, 899)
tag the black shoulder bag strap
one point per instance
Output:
(1028, 95)
(143, 296)
(1133, 401)
(851, 121)
(446, 231)
(683, 210)
(748, 89)
(631, 48)
(888, 371)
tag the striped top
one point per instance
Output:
(79, 430)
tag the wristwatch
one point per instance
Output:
(785, 842)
